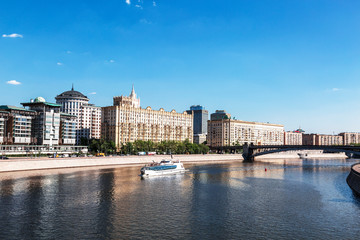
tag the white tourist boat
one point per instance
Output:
(165, 167)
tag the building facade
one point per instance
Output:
(15, 125)
(126, 121)
(200, 118)
(322, 139)
(67, 129)
(88, 121)
(45, 126)
(3, 119)
(224, 131)
(350, 138)
(127, 101)
(293, 138)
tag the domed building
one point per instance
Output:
(88, 121)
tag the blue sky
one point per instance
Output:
(293, 62)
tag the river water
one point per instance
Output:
(293, 199)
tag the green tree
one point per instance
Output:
(102, 145)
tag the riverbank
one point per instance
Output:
(25, 164)
(353, 180)
(310, 154)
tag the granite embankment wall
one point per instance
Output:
(353, 180)
(51, 163)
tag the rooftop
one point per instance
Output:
(71, 94)
(39, 103)
(196, 107)
(248, 122)
(7, 107)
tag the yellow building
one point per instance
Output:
(126, 121)
(224, 131)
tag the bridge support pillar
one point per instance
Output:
(247, 153)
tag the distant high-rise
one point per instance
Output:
(200, 118)
(88, 123)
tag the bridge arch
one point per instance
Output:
(252, 151)
(296, 149)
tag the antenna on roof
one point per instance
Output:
(72, 89)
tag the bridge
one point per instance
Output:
(250, 151)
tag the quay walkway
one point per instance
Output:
(24, 164)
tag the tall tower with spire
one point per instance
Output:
(133, 94)
(131, 100)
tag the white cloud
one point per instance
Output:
(68, 52)
(335, 89)
(92, 93)
(112, 61)
(128, 2)
(13, 35)
(154, 3)
(144, 21)
(59, 63)
(138, 6)
(13, 82)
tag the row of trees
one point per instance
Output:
(102, 145)
(164, 147)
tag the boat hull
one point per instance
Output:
(147, 173)
(162, 170)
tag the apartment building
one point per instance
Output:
(88, 116)
(293, 138)
(126, 121)
(46, 125)
(350, 138)
(15, 125)
(224, 131)
(322, 139)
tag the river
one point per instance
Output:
(282, 199)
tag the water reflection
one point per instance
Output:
(305, 199)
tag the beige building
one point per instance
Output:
(228, 132)
(126, 121)
(350, 138)
(292, 138)
(88, 116)
(322, 139)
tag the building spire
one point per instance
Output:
(72, 88)
(132, 94)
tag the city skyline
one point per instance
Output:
(288, 63)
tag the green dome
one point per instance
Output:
(39, 99)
